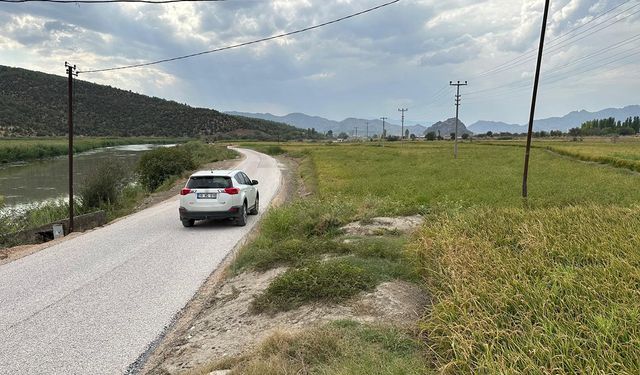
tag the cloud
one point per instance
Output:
(354, 68)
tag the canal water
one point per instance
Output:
(33, 182)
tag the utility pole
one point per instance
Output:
(356, 132)
(536, 80)
(367, 130)
(455, 140)
(383, 131)
(71, 71)
(403, 110)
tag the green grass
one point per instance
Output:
(412, 179)
(339, 348)
(547, 285)
(26, 149)
(330, 281)
(553, 290)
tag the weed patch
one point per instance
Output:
(331, 281)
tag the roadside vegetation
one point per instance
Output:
(27, 149)
(546, 285)
(114, 189)
(341, 347)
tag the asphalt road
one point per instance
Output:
(92, 304)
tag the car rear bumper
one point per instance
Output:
(232, 213)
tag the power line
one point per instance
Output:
(107, 1)
(518, 60)
(245, 43)
(556, 70)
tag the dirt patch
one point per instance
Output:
(383, 225)
(228, 328)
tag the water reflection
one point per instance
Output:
(24, 183)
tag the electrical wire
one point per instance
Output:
(245, 43)
(554, 44)
(107, 1)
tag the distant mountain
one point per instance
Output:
(445, 128)
(35, 104)
(481, 127)
(564, 123)
(323, 125)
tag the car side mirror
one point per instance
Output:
(254, 182)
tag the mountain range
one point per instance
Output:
(348, 125)
(35, 104)
(571, 120)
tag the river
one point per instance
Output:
(33, 182)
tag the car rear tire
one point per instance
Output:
(187, 222)
(241, 221)
(256, 207)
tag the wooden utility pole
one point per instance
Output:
(455, 138)
(534, 97)
(384, 135)
(71, 71)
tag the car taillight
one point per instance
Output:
(185, 191)
(232, 191)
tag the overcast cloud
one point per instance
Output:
(400, 56)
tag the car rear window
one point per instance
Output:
(209, 182)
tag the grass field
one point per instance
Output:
(621, 152)
(25, 149)
(547, 285)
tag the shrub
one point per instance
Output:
(160, 164)
(103, 185)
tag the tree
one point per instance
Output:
(330, 134)
(430, 136)
(489, 133)
(465, 136)
(575, 132)
(343, 135)
(406, 133)
(412, 136)
(452, 136)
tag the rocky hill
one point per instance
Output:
(445, 128)
(35, 104)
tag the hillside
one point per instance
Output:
(35, 104)
(571, 120)
(445, 128)
(348, 125)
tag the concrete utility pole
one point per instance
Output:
(536, 80)
(455, 140)
(367, 130)
(403, 110)
(383, 131)
(71, 71)
(356, 132)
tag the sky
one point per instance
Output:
(400, 56)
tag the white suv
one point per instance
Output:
(218, 195)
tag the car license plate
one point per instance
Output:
(207, 195)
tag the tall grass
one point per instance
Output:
(552, 290)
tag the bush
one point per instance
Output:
(160, 164)
(103, 185)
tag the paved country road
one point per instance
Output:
(92, 304)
